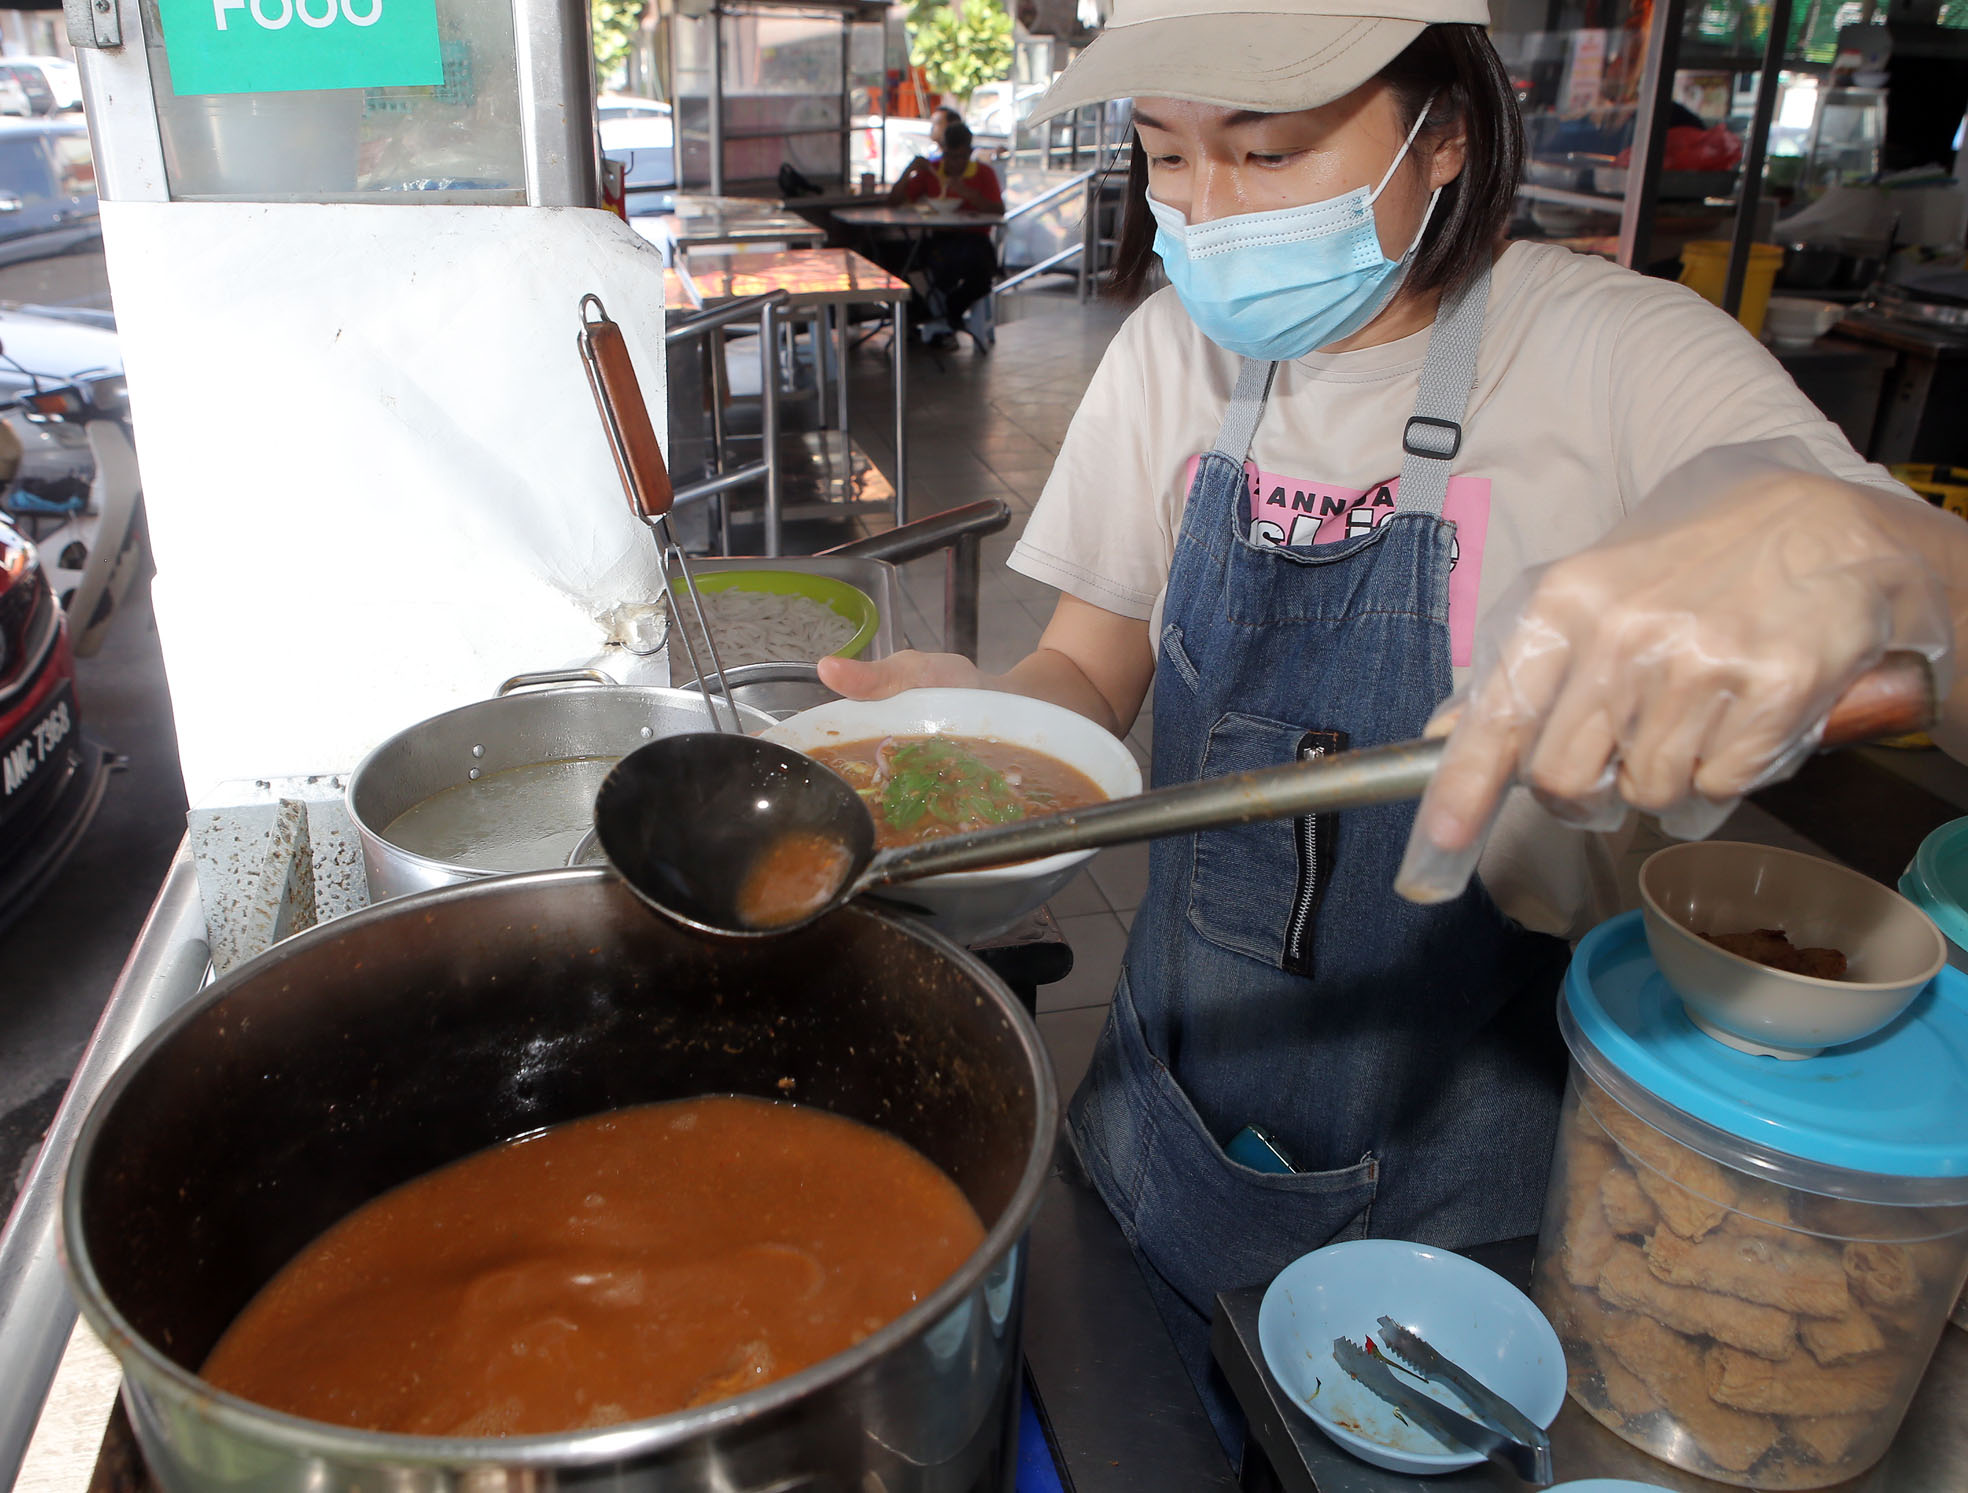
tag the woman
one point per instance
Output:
(1354, 423)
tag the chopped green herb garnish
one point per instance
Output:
(937, 778)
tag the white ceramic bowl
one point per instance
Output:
(1798, 321)
(1467, 1313)
(972, 905)
(1892, 948)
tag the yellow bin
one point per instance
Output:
(1705, 268)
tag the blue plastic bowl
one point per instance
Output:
(1608, 1485)
(1469, 1314)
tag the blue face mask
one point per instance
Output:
(1277, 285)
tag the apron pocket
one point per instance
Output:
(1204, 1222)
(1178, 657)
(1255, 890)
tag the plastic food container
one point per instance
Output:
(1937, 880)
(1750, 1261)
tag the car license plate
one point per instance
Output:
(31, 749)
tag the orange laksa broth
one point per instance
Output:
(609, 1269)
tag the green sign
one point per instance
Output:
(283, 46)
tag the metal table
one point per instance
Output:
(915, 225)
(1928, 379)
(1844, 380)
(721, 226)
(823, 282)
(908, 220)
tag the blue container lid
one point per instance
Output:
(1883, 1119)
(1937, 881)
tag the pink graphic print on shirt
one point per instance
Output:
(1294, 512)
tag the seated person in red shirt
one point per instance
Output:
(960, 263)
(940, 120)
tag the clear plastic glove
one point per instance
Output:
(1686, 659)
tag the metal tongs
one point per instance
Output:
(1503, 1433)
(646, 481)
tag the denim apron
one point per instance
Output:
(1404, 1058)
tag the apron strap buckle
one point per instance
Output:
(1427, 436)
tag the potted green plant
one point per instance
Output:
(960, 45)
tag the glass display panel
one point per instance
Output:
(785, 76)
(456, 141)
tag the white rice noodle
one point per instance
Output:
(758, 627)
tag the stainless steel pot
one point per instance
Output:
(516, 728)
(367, 1051)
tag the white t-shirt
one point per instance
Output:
(1592, 384)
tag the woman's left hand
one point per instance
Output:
(1689, 657)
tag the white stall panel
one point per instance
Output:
(376, 481)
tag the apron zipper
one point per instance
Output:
(1315, 837)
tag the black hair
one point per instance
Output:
(956, 137)
(955, 117)
(1459, 67)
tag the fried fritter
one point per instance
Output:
(1764, 1330)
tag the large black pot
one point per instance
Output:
(377, 1047)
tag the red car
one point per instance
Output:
(51, 779)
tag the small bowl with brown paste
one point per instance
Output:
(1776, 952)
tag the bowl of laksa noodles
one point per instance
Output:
(932, 762)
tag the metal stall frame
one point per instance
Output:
(1750, 193)
(1641, 202)
(852, 13)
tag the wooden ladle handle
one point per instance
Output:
(624, 414)
(1895, 698)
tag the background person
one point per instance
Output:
(959, 264)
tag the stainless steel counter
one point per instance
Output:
(165, 969)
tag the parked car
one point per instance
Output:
(51, 778)
(47, 189)
(640, 134)
(52, 84)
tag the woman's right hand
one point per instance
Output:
(858, 679)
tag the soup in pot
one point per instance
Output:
(610, 1269)
(920, 787)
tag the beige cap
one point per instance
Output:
(1272, 55)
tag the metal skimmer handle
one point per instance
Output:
(646, 481)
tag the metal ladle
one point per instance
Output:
(686, 819)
